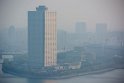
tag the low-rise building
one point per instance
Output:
(8, 57)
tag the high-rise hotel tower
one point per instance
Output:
(42, 47)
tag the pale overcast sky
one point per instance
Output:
(14, 12)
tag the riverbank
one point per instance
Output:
(4, 75)
(83, 74)
(114, 76)
(61, 77)
(54, 74)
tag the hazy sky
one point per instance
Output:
(14, 12)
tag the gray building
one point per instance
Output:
(101, 33)
(101, 28)
(80, 27)
(81, 33)
(36, 31)
(62, 40)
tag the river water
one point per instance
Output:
(115, 76)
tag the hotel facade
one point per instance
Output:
(42, 42)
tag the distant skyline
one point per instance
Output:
(69, 12)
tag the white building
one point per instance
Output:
(50, 39)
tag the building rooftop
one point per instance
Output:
(41, 8)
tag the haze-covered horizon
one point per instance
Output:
(69, 12)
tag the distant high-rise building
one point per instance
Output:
(62, 37)
(11, 31)
(80, 27)
(101, 33)
(80, 34)
(101, 28)
(42, 37)
(3, 37)
(11, 38)
(11, 34)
